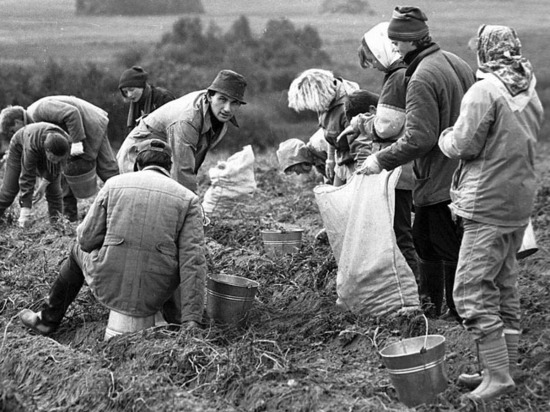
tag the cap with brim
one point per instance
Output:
(155, 145)
(231, 84)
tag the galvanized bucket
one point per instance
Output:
(83, 185)
(229, 298)
(278, 243)
(417, 368)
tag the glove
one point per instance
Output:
(329, 169)
(25, 217)
(77, 149)
(370, 166)
(39, 192)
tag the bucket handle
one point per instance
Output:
(423, 348)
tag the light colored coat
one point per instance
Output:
(186, 125)
(144, 237)
(495, 139)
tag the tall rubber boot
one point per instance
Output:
(496, 369)
(511, 336)
(430, 287)
(63, 292)
(449, 269)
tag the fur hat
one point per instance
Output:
(133, 77)
(231, 84)
(313, 89)
(408, 23)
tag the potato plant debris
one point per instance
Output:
(297, 351)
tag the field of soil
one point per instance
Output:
(297, 352)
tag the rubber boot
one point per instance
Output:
(63, 292)
(449, 269)
(511, 336)
(430, 287)
(496, 369)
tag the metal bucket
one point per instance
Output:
(278, 243)
(83, 185)
(119, 323)
(229, 298)
(417, 368)
(529, 243)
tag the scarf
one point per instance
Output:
(376, 39)
(147, 100)
(499, 53)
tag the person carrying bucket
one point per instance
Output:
(37, 150)
(141, 240)
(86, 126)
(493, 191)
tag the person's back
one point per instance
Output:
(152, 221)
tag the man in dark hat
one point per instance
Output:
(143, 97)
(141, 240)
(192, 125)
(436, 82)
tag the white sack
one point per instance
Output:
(373, 276)
(231, 182)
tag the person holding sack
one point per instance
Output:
(493, 191)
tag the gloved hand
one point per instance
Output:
(77, 149)
(329, 169)
(39, 192)
(25, 217)
(370, 166)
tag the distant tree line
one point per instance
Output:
(138, 7)
(187, 58)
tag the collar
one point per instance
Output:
(157, 169)
(414, 58)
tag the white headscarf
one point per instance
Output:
(380, 45)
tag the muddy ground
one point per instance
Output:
(297, 352)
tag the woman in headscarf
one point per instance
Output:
(383, 128)
(493, 192)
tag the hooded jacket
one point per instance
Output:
(494, 138)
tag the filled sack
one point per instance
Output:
(231, 182)
(373, 276)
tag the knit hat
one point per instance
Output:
(133, 77)
(154, 145)
(408, 23)
(231, 84)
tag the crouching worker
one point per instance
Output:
(141, 239)
(36, 150)
(295, 156)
